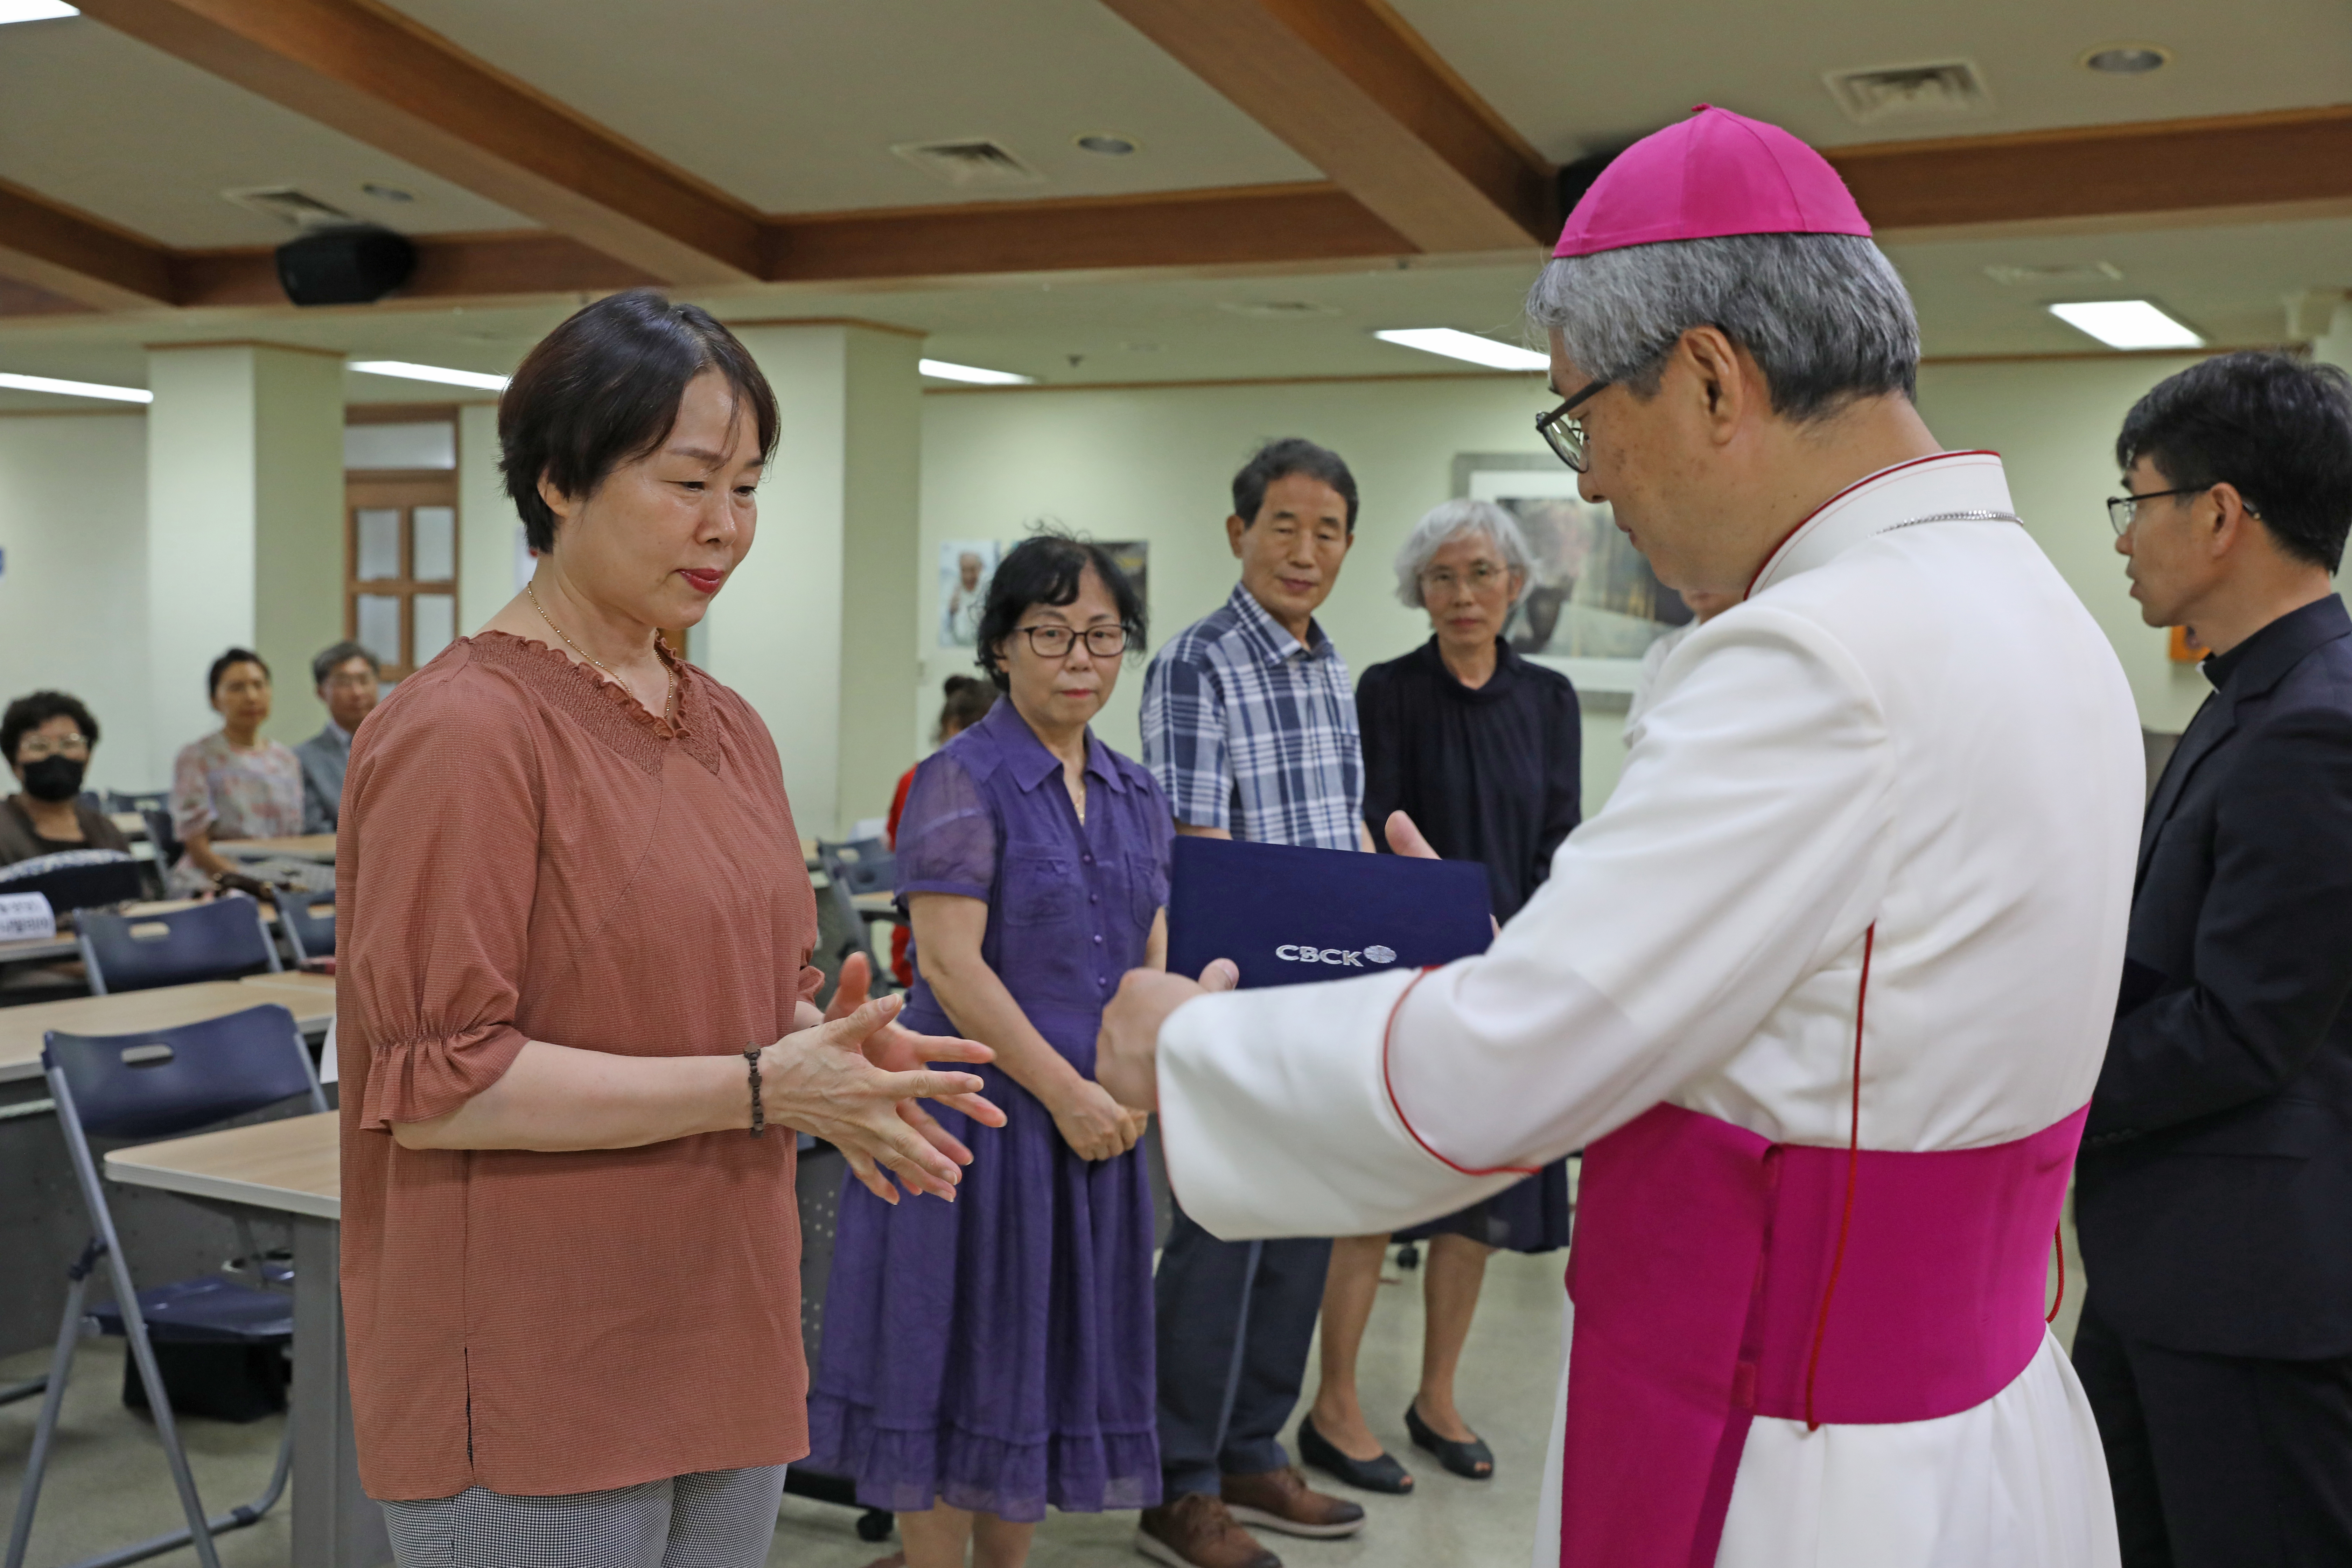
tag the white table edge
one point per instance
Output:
(222, 1189)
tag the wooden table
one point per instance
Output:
(292, 1167)
(319, 846)
(166, 1006)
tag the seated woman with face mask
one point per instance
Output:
(47, 739)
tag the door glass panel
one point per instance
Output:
(379, 626)
(379, 530)
(434, 617)
(433, 540)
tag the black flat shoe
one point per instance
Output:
(1382, 1474)
(1472, 1460)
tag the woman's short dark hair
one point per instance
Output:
(221, 667)
(1281, 459)
(969, 699)
(1047, 569)
(34, 708)
(603, 389)
(2276, 427)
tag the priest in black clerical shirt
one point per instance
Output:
(2214, 1189)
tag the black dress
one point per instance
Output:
(1492, 775)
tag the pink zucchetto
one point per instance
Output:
(1715, 174)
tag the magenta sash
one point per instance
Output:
(1702, 1257)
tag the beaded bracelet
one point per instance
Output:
(759, 1110)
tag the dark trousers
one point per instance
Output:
(2220, 1461)
(1236, 1319)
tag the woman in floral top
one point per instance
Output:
(232, 783)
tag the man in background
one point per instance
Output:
(349, 680)
(2214, 1189)
(1249, 724)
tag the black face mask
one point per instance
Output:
(54, 779)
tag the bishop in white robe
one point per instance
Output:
(1821, 992)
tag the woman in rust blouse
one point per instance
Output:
(573, 897)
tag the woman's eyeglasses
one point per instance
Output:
(1053, 642)
(1564, 433)
(1482, 576)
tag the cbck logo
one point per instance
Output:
(1340, 956)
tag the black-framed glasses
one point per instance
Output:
(2122, 510)
(1564, 433)
(1053, 642)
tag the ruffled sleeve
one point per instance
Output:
(442, 812)
(947, 837)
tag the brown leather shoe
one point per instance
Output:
(1281, 1499)
(1196, 1531)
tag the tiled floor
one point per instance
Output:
(107, 1485)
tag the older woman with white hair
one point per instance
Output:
(1482, 751)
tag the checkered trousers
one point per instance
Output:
(713, 1518)
(1248, 730)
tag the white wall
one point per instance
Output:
(73, 585)
(1154, 464)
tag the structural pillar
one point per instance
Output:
(817, 627)
(245, 528)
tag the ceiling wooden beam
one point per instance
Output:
(66, 252)
(1241, 226)
(1357, 93)
(382, 78)
(2150, 175)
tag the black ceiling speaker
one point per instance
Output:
(1575, 178)
(356, 265)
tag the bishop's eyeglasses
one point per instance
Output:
(1564, 433)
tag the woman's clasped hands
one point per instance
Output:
(859, 1081)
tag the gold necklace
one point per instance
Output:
(669, 704)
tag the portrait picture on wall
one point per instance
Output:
(965, 567)
(1134, 558)
(1592, 606)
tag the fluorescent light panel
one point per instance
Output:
(404, 371)
(32, 11)
(945, 370)
(76, 388)
(1466, 346)
(2128, 324)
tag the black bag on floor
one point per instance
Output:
(221, 1382)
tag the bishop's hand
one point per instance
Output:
(1126, 1051)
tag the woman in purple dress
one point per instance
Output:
(986, 1359)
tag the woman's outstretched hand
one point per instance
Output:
(819, 1080)
(1127, 1050)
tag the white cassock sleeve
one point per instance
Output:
(1740, 854)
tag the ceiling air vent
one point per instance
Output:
(289, 206)
(2067, 272)
(968, 165)
(1941, 89)
(1278, 310)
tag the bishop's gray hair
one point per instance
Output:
(1449, 520)
(1825, 316)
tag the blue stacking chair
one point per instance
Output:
(91, 883)
(218, 940)
(161, 1084)
(854, 866)
(309, 933)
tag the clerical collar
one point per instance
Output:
(2269, 651)
(1946, 484)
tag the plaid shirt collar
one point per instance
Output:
(1267, 637)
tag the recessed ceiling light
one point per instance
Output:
(75, 388)
(34, 11)
(404, 371)
(384, 192)
(944, 369)
(1107, 145)
(2127, 325)
(1465, 346)
(2128, 59)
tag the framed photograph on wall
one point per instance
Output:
(1134, 558)
(1593, 606)
(965, 567)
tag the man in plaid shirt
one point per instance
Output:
(1249, 724)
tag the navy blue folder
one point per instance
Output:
(1286, 915)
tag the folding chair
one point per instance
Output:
(309, 932)
(92, 879)
(218, 940)
(160, 1085)
(864, 865)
